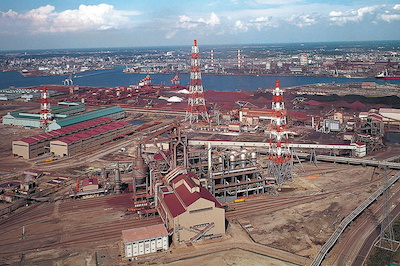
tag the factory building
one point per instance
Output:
(115, 112)
(390, 115)
(25, 119)
(253, 116)
(189, 210)
(87, 139)
(22, 118)
(67, 110)
(145, 240)
(36, 145)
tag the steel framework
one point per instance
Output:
(280, 158)
(196, 110)
(387, 238)
(45, 114)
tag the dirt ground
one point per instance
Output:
(302, 229)
(231, 258)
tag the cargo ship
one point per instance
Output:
(385, 75)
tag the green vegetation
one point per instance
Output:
(385, 257)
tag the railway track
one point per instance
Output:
(45, 230)
(271, 204)
(86, 234)
(352, 242)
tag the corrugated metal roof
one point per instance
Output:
(91, 132)
(60, 109)
(142, 233)
(28, 140)
(187, 197)
(89, 115)
(174, 206)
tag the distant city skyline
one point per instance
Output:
(45, 24)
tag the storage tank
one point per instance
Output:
(254, 157)
(117, 180)
(243, 158)
(221, 161)
(232, 159)
(140, 170)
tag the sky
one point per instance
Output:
(59, 24)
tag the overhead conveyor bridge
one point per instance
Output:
(355, 161)
(346, 221)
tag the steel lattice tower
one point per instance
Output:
(45, 114)
(280, 157)
(387, 238)
(196, 110)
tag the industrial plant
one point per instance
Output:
(163, 174)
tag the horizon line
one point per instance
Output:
(188, 45)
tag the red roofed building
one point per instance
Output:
(90, 184)
(190, 211)
(253, 115)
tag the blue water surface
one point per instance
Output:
(115, 77)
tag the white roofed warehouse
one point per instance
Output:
(145, 240)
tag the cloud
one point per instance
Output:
(340, 18)
(259, 23)
(187, 23)
(240, 26)
(302, 20)
(391, 14)
(86, 17)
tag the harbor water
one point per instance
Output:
(115, 77)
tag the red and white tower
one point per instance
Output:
(196, 110)
(45, 113)
(281, 163)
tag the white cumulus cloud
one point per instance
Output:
(391, 14)
(86, 17)
(188, 23)
(341, 18)
(302, 20)
(240, 26)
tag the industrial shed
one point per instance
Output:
(115, 112)
(190, 211)
(25, 119)
(145, 240)
(36, 145)
(21, 118)
(390, 115)
(87, 139)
